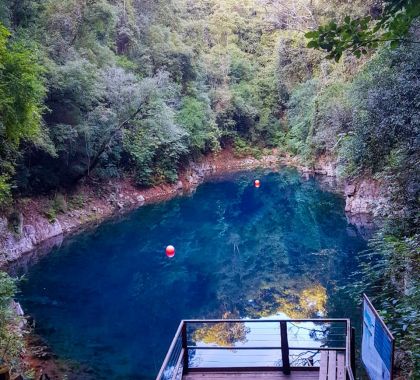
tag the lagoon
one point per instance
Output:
(110, 300)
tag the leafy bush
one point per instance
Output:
(5, 191)
(11, 341)
(22, 90)
(385, 99)
(76, 202)
(196, 117)
(302, 108)
(243, 149)
(51, 214)
(59, 203)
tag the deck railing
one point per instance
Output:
(257, 345)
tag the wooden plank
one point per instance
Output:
(341, 370)
(332, 365)
(323, 367)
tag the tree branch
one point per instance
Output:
(105, 144)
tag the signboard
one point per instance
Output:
(377, 344)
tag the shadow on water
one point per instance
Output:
(111, 300)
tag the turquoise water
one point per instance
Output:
(110, 300)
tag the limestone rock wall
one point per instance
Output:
(12, 245)
(365, 196)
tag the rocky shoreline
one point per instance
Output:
(35, 232)
(364, 195)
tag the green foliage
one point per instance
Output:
(360, 34)
(154, 142)
(56, 205)
(51, 214)
(195, 117)
(302, 108)
(21, 91)
(76, 202)
(139, 87)
(21, 105)
(11, 342)
(5, 191)
(390, 278)
(385, 99)
(243, 149)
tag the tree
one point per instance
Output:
(358, 35)
(22, 90)
(22, 93)
(197, 118)
(11, 344)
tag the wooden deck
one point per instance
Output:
(269, 350)
(252, 375)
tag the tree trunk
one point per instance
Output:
(105, 144)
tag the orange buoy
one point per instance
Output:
(170, 251)
(257, 183)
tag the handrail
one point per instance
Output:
(230, 348)
(314, 320)
(178, 363)
(177, 358)
(349, 373)
(171, 347)
(349, 370)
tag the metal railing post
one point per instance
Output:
(353, 351)
(284, 348)
(185, 347)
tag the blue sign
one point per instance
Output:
(377, 344)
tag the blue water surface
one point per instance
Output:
(110, 300)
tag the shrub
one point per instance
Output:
(59, 203)
(11, 341)
(5, 191)
(76, 202)
(243, 149)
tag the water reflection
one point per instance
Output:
(257, 344)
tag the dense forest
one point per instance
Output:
(139, 88)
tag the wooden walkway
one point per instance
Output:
(253, 375)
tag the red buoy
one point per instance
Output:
(257, 183)
(170, 251)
